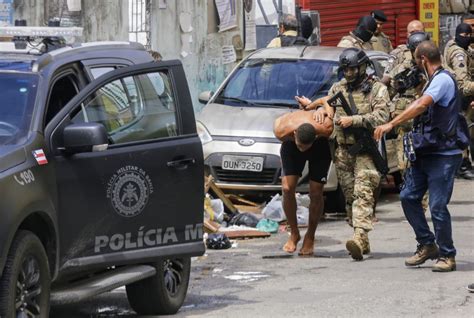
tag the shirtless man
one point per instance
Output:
(303, 139)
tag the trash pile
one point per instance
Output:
(229, 217)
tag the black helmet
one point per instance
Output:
(416, 38)
(352, 57)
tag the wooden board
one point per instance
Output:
(248, 208)
(215, 191)
(244, 234)
(239, 200)
(210, 226)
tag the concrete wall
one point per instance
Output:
(203, 62)
(105, 20)
(102, 20)
(30, 10)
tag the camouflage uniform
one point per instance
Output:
(460, 63)
(357, 174)
(404, 60)
(382, 43)
(353, 41)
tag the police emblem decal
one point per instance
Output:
(128, 190)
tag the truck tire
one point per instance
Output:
(164, 293)
(25, 283)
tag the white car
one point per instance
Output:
(236, 125)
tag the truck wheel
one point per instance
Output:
(164, 293)
(25, 283)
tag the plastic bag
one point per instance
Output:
(268, 226)
(303, 200)
(247, 219)
(302, 215)
(218, 241)
(274, 209)
(214, 209)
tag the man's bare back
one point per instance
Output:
(285, 125)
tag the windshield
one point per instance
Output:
(17, 97)
(275, 82)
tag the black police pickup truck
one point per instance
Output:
(101, 177)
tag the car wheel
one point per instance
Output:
(164, 293)
(335, 201)
(25, 283)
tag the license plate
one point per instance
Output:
(242, 163)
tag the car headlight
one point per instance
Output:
(203, 133)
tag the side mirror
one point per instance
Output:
(85, 137)
(204, 97)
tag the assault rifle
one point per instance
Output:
(364, 141)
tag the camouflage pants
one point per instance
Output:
(358, 179)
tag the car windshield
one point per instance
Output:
(276, 82)
(17, 94)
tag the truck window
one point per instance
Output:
(64, 89)
(99, 71)
(133, 108)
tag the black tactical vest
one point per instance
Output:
(289, 40)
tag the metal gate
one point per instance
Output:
(338, 17)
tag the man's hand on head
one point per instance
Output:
(320, 115)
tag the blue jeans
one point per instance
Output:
(434, 173)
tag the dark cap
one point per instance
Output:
(379, 15)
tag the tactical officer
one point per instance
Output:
(380, 41)
(459, 62)
(288, 33)
(356, 173)
(438, 157)
(360, 37)
(401, 52)
(402, 98)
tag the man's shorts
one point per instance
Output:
(318, 156)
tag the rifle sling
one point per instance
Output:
(352, 103)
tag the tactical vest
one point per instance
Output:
(363, 104)
(435, 129)
(288, 40)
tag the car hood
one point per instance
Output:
(11, 156)
(222, 120)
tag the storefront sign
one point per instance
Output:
(429, 15)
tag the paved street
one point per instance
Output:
(256, 278)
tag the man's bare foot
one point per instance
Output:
(308, 247)
(290, 245)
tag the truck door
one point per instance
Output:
(142, 191)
